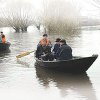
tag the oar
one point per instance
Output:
(24, 54)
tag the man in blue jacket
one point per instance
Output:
(56, 46)
(64, 52)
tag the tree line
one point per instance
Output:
(56, 15)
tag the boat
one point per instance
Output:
(4, 46)
(76, 64)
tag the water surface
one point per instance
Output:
(22, 80)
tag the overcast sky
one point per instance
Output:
(88, 8)
(85, 6)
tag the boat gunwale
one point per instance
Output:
(75, 58)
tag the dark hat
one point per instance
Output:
(45, 35)
(63, 41)
(58, 40)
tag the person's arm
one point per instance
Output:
(50, 44)
(57, 53)
(61, 52)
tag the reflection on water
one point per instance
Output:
(4, 53)
(66, 83)
(23, 63)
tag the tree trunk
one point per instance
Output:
(24, 29)
(17, 30)
(38, 27)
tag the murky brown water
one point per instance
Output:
(21, 80)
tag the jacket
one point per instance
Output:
(44, 42)
(64, 52)
(56, 47)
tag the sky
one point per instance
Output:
(88, 8)
(85, 7)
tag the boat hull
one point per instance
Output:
(4, 46)
(80, 64)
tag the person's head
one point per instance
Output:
(63, 41)
(3, 36)
(58, 41)
(45, 36)
(1, 33)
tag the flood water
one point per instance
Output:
(22, 80)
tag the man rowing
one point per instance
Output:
(44, 48)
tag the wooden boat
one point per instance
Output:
(77, 64)
(4, 46)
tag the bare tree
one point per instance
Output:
(59, 16)
(19, 17)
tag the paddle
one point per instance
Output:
(24, 54)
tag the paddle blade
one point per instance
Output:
(23, 54)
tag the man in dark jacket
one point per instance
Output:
(64, 52)
(43, 47)
(56, 46)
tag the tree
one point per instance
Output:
(19, 17)
(59, 16)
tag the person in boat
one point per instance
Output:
(47, 55)
(56, 46)
(44, 46)
(64, 52)
(0, 38)
(3, 38)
